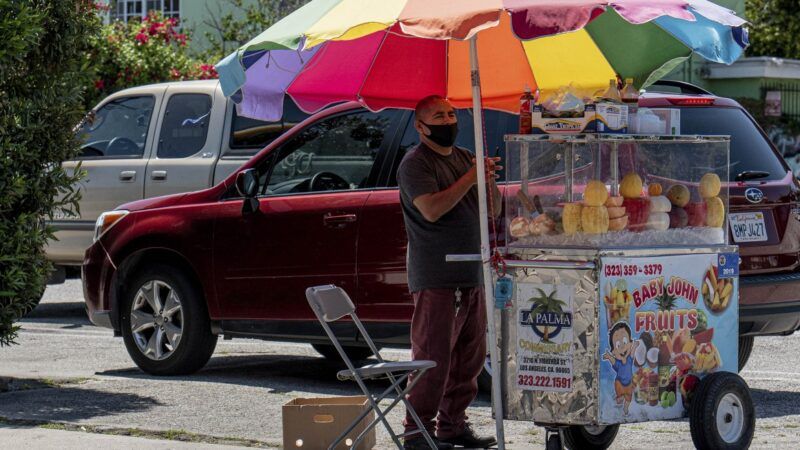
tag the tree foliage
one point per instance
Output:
(150, 50)
(774, 27)
(44, 69)
(241, 22)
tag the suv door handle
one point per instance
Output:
(339, 220)
(159, 175)
(127, 175)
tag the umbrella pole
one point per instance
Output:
(497, 400)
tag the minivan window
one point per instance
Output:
(248, 136)
(118, 129)
(497, 125)
(750, 150)
(185, 126)
(337, 153)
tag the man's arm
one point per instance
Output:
(433, 206)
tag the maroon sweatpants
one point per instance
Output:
(458, 345)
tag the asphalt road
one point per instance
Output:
(65, 370)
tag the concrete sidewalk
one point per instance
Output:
(32, 437)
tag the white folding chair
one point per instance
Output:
(330, 303)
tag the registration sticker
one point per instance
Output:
(748, 226)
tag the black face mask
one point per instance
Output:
(443, 135)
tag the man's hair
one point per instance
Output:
(617, 326)
(425, 104)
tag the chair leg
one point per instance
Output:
(395, 402)
(374, 407)
(413, 413)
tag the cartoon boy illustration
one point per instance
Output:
(621, 360)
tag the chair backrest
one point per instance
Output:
(329, 302)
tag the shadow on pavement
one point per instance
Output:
(278, 373)
(775, 403)
(66, 404)
(66, 312)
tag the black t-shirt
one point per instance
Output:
(423, 171)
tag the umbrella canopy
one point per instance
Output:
(391, 53)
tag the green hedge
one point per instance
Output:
(44, 69)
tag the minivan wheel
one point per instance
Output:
(745, 349)
(165, 323)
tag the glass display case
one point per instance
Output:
(616, 191)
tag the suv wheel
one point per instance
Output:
(165, 323)
(745, 348)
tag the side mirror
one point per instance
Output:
(247, 186)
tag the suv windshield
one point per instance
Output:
(750, 150)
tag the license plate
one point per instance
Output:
(748, 227)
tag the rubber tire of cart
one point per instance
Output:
(577, 437)
(197, 341)
(703, 411)
(485, 377)
(745, 349)
(553, 442)
(354, 353)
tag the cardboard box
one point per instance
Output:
(611, 118)
(314, 423)
(562, 125)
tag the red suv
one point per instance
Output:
(171, 273)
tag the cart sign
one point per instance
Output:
(665, 322)
(544, 337)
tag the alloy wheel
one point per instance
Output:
(156, 320)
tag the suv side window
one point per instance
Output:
(335, 154)
(118, 129)
(185, 125)
(497, 125)
(248, 136)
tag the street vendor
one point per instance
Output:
(439, 197)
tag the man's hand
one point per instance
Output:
(434, 206)
(491, 167)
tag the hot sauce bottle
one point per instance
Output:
(525, 111)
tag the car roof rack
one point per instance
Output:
(685, 88)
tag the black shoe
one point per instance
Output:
(419, 443)
(469, 439)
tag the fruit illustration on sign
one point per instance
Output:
(707, 358)
(716, 292)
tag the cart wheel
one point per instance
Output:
(721, 415)
(553, 442)
(578, 437)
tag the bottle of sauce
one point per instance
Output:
(612, 94)
(630, 96)
(525, 111)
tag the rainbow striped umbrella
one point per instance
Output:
(391, 53)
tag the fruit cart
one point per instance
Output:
(619, 298)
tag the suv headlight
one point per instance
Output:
(107, 220)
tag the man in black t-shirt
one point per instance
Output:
(439, 198)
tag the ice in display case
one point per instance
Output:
(616, 191)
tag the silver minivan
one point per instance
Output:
(155, 140)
